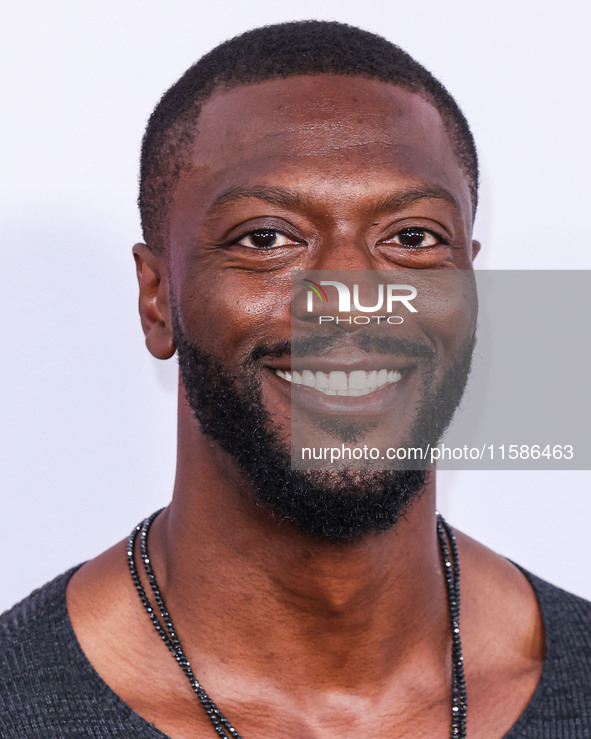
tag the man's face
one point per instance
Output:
(311, 173)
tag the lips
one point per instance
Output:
(338, 382)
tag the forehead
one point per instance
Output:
(320, 131)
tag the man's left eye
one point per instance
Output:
(415, 238)
(264, 238)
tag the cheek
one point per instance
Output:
(448, 308)
(232, 313)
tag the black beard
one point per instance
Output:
(336, 505)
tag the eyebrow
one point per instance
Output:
(407, 197)
(292, 199)
(274, 195)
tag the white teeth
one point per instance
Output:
(308, 378)
(321, 381)
(357, 380)
(337, 382)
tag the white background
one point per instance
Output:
(88, 417)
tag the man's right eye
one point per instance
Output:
(264, 238)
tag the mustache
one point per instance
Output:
(319, 345)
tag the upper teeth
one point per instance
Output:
(357, 382)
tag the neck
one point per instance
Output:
(340, 614)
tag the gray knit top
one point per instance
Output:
(49, 689)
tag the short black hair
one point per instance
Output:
(282, 50)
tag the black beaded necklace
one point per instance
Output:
(167, 632)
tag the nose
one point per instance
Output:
(343, 252)
(337, 299)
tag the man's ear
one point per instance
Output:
(152, 276)
(475, 248)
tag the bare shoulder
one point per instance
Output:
(122, 646)
(500, 609)
(526, 642)
(99, 592)
(103, 608)
(491, 583)
(502, 635)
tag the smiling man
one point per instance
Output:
(301, 602)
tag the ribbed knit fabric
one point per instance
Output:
(49, 690)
